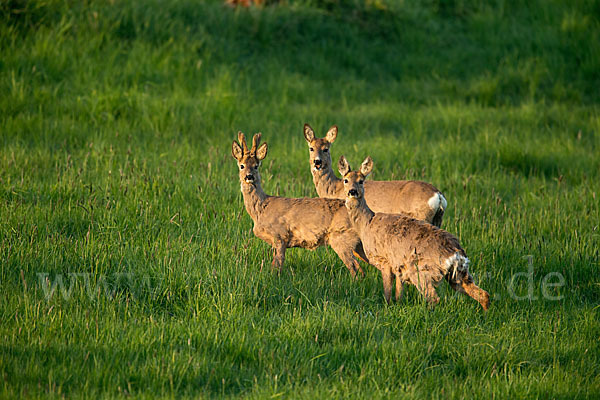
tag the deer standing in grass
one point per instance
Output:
(416, 199)
(411, 250)
(293, 222)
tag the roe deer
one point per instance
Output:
(293, 222)
(412, 250)
(417, 199)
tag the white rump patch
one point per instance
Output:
(434, 202)
(456, 263)
(437, 202)
(444, 202)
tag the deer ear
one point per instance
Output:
(236, 151)
(261, 153)
(366, 167)
(309, 134)
(343, 166)
(331, 134)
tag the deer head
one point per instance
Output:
(354, 180)
(320, 158)
(248, 161)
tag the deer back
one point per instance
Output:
(407, 241)
(301, 222)
(416, 199)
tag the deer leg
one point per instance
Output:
(431, 295)
(353, 266)
(350, 263)
(386, 274)
(358, 268)
(399, 287)
(359, 252)
(427, 290)
(278, 255)
(421, 277)
(344, 252)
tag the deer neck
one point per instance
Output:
(254, 198)
(359, 213)
(327, 184)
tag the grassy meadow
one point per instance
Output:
(127, 262)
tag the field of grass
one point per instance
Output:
(127, 262)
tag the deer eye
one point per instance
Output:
(311, 149)
(345, 180)
(325, 150)
(242, 166)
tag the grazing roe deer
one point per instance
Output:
(412, 250)
(417, 199)
(293, 222)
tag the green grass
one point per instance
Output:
(116, 122)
